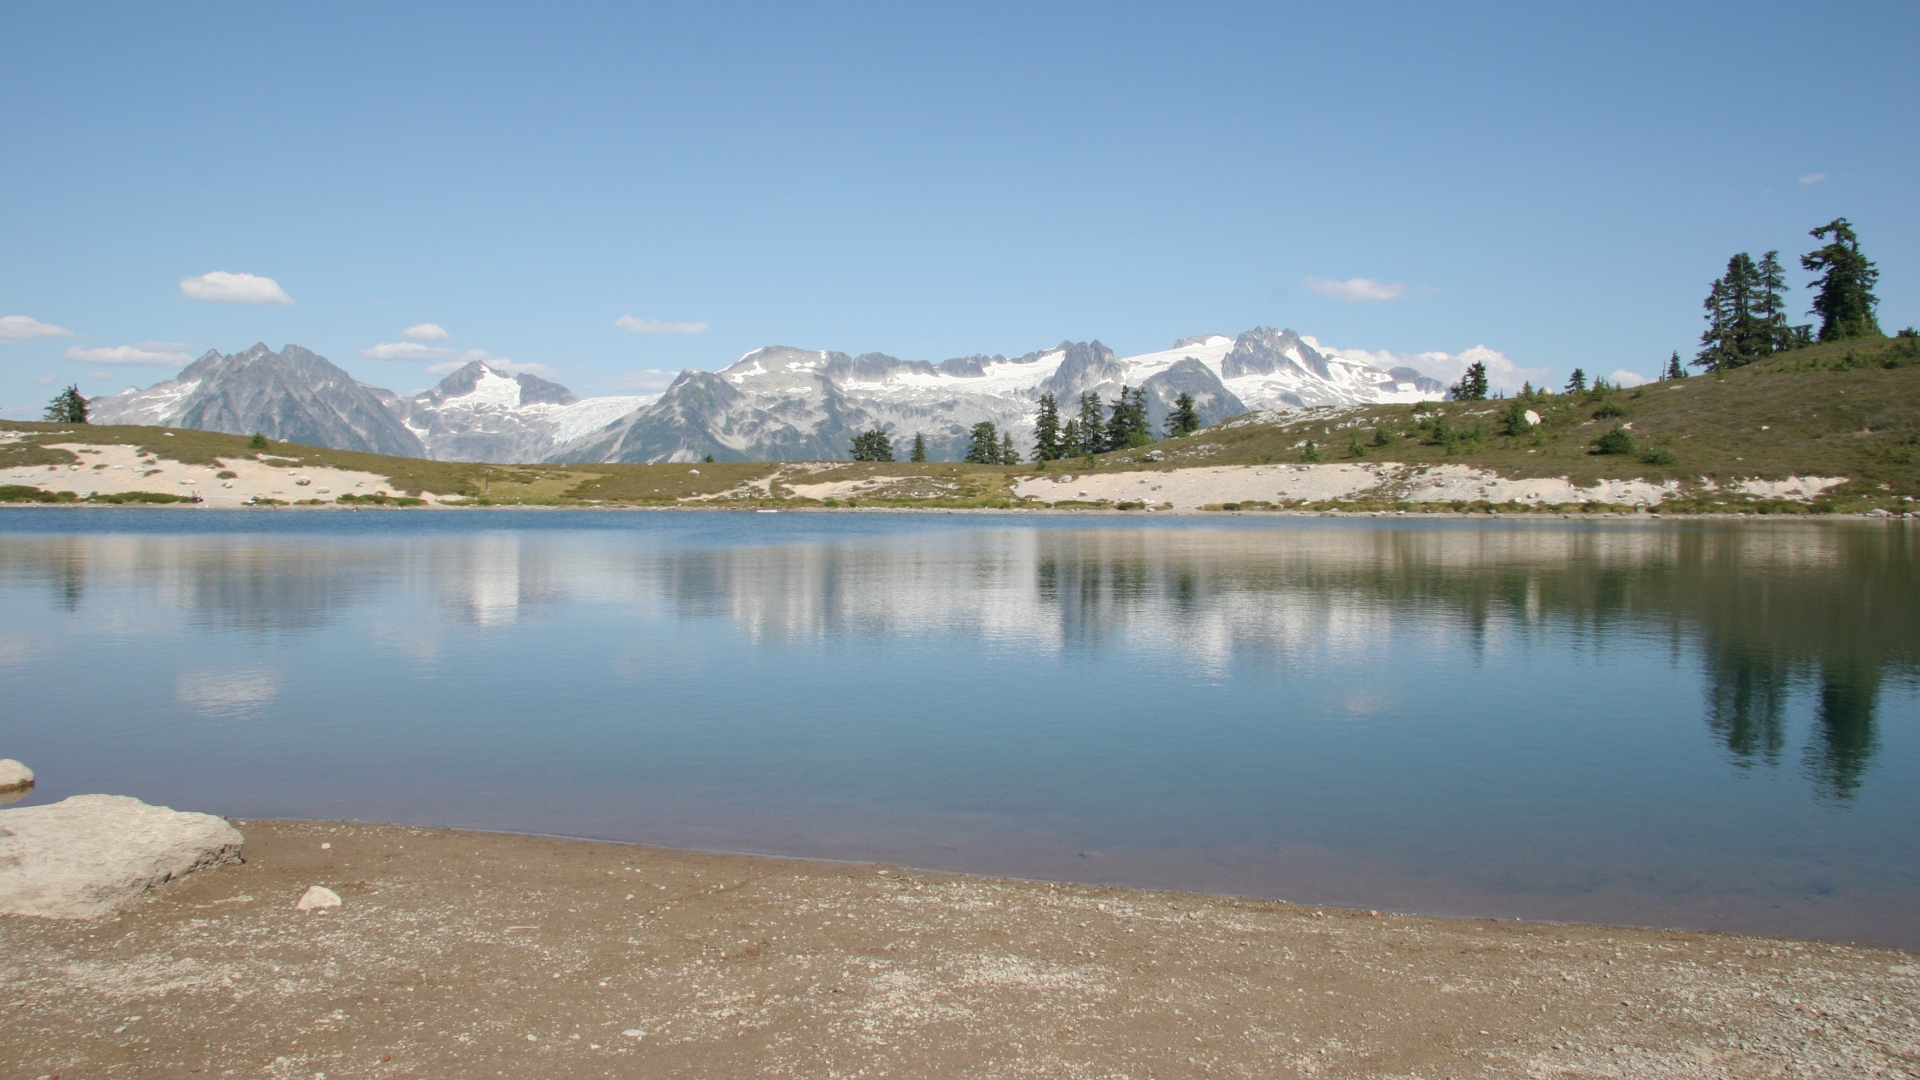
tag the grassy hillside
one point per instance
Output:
(1849, 409)
(1845, 409)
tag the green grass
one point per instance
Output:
(1846, 409)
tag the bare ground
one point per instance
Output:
(462, 954)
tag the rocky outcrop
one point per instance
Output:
(14, 776)
(87, 856)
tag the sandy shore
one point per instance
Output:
(111, 469)
(462, 954)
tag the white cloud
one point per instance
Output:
(220, 287)
(655, 326)
(406, 350)
(1813, 178)
(1358, 288)
(1623, 377)
(648, 381)
(25, 328)
(426, 331)
(497, 363)
(1502, 372)
(146, 354)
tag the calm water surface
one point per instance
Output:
(1688, 724)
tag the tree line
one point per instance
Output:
(1747, 307)
(1095, 428)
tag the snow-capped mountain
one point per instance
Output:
(780, 403)
(478, 413)
(774, 403)
(292, 394)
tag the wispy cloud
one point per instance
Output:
(407, 350)
(425, 331)
(220, 287)
(1813, 178)
(655, 326)
(1502, 372)
(171, 354)
(1355, 289)
(25, 328)
(648, 381)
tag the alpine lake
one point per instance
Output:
(1698, 724)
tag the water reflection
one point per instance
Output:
(1822, 615)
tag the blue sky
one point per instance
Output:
(1555, 183)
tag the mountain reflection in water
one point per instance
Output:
(1481, 660)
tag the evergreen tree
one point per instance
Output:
(1845, 302)
(1127, 427)
(1675, 369)
(1183, 418)
(1070, 437)
(872, 446)
(1046, 431)
(67, 407)
(919, 447)
(1772, 306)
(258, 442)
(1472, 385)
(1577, 381)
(1093, 426)
(1008, 455)
(1737, 331)
(983, 444)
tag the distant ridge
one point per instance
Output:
(774, 404)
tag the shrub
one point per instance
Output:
(1658, 455)
(1311, 453)
(1608, 410)
(1617, 441)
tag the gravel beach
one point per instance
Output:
(462, 954)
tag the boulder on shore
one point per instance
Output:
(87, 856)
(14, 776)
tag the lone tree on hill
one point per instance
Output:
(983, 444)
(258, 442)
(1675, 369)
(1845, 302)
(1008, 455)
(919, 447)
(67, 407)
(1183, 418)
(1046, 431)
(872, 446)
(1472, 385)
(1577, 381)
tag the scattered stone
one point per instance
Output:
(14, 776)
(89, 855)
(318, 896)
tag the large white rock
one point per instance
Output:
(86, 856)
(14, 775)
(317, 896)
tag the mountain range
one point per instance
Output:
(773, 404)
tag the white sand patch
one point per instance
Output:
(1793, 487)
(1191, 489)
(113, 470)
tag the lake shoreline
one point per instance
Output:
(462, 952)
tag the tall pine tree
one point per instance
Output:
(1183, 418)
(1127, 426)
(1675, 369)
(919, 447)
(1472, 385)
(1046, 431)
(983, 444)
(1008, 455)
(1577, 381)
(1845, 302)
(1092, 426)
(1737, 332)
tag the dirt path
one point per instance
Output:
(460, 954)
